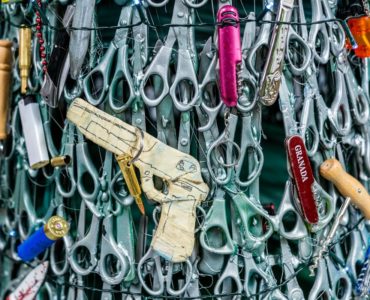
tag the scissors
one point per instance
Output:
(315, 118)
(247, 208)
(298, 54)
(185, 74)
(151, 267)
(87, 180)
(79, 41)
(96, 83)
(294, 291)
(322, 37)
(254, 60)
(59, 250)
(249, 145)
(328, 281)
(113, 263)
(358, 99)
(358, 241)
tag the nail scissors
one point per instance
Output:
(185, 70)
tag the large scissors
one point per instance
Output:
(298, 53)
(151, 267)
(97, 82)
(113, 262)
(81, 173)
(358, 99)
(185, 73)
(324, 38)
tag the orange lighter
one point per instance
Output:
(360, 28)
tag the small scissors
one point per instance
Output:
(185, 74)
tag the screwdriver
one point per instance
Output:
(350, 188)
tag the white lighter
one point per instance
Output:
(33, 132)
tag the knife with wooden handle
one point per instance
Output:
(174, 236)
(347, 185)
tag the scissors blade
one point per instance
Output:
(120, 37)
(79, 41)
(57, 72)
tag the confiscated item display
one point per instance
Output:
(184, 149)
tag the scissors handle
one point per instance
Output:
(121, 80)
(185, 74)
(88, 244)
(230, 273)
(358, 97)
(292, 232)
(340, 112)
(248, 209)
(96, 83)
(215, 236)
(150, 265)
(112, 256)
(157, 3)
(252, 152)
(296, 41)
(157, 74)
(86, 173)
(308, 126)
(67, 190)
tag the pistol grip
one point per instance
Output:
(174, 236)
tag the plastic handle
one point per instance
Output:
(347, 185)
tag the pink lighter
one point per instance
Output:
(229, 53)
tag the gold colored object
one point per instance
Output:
(5, 79)
(60, 161)
(56, 228)
(133, 185)
(25, 34)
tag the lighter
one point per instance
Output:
(229, 54)
(33, 132)
(55, 228)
